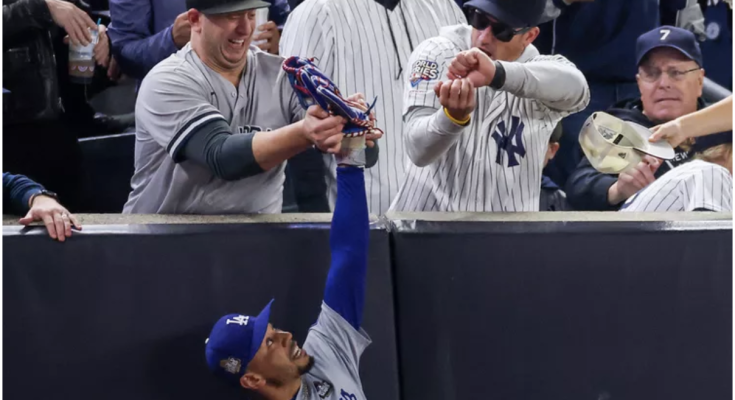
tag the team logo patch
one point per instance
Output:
(713, 31)
(323, 389)
(231, 365)
(424, 70)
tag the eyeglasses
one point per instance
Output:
(503, 32)
(654, 74)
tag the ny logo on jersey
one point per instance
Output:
(251, 129)
(240, 320)
(346, 396)
(510, 141)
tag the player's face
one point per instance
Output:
(670, 84)
(485, 39)
(227, 37)
(279, 359)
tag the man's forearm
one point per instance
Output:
(429, 135)
(17, 192)
(713, 119)
(237, 156)
(272, 148)
(553, 80)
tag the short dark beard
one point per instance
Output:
(306, 368)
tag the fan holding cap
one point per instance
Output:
(670, 80)
(248, 351)
(614, 146)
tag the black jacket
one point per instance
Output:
(587, 188)
(29, 65)
(36, 71)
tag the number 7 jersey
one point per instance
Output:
(494, 163)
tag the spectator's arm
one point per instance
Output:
(552, 80)
(135, 47)
(587, 189)
(17, 192)
(24, 15)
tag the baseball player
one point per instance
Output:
(480, 104)
(364, 46)
(704, 184)
(217, 120)
(248, 351)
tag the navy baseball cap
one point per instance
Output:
(669, 36)
(234, 341)
(515, 13)
(703, 143)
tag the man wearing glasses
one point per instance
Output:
(480, 105)
(670, 78)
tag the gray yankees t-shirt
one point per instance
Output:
(179, 95)
(336, 347)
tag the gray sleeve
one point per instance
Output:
(371, 155)
(429, 134)
(171, 105)
(336, 342)
(229, 157)
(552, 80)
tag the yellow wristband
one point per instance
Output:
(456, 121)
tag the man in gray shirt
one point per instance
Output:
(217, 120)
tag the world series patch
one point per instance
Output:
(424, 70)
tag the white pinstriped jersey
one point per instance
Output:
(495, 163)
(353, 44)
(696, 185)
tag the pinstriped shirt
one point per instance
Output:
(353, 42)
(494, 163)
(696, 185)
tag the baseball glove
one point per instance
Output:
(313, 87)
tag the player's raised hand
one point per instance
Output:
(457, 97)
(633, 180)
(473, 65)
(323, 129)
(374, 135)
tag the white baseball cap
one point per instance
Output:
(613, 145)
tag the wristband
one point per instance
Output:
(456, 121)
(499, 78)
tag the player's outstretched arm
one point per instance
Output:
(345, 288)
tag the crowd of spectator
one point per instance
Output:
(201, 166)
